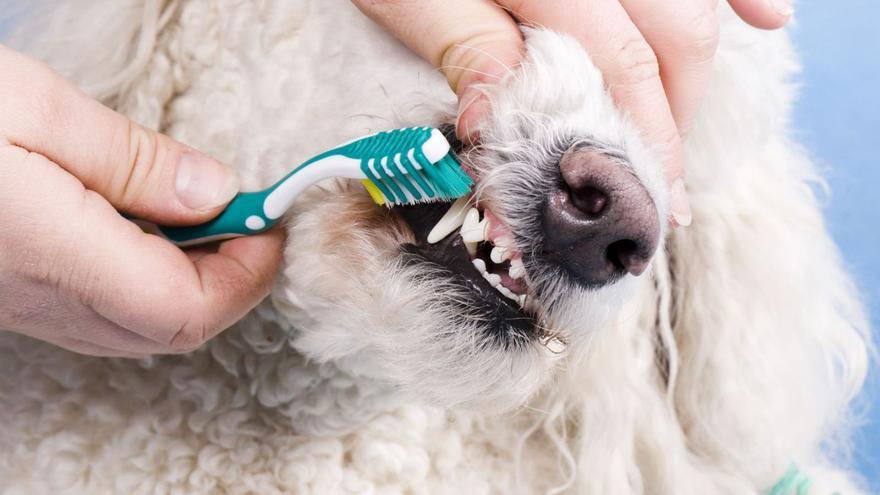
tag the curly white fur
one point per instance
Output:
(735, 359)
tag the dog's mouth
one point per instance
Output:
(477, 250)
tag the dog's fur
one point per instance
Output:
(736, 356)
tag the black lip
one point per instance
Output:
(501, 315)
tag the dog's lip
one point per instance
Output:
(489, 241)
(498, 315)
(452, 254)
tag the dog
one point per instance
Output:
(620, 357)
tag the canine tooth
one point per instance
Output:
(451, 220)
(517, 270)
(522, 300)
(475, 233)
(471, 219)
(473, 229)
(499, 254)
(480, 264)
(493, 278)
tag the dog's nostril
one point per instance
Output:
(588, 199)
(626, 256)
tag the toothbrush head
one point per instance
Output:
(409, 166)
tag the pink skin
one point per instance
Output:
(656, 56)
(73, 271)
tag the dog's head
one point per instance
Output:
(476, 303)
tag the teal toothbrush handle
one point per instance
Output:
(253, 212)
(243, 216)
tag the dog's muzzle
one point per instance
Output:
(600, 222)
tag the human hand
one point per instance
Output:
(73, 271)
(656, 56)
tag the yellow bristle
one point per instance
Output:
(374, 191)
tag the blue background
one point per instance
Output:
(838, 119)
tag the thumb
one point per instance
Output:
(138, 170)
(470, 65)
(472, 43)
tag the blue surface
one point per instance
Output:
(838, 117)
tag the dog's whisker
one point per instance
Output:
(506, 66)
(468, 69)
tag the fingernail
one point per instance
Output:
(679, 205)
(465, 127)
(782, 7)
(203, 183)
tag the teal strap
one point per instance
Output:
(794, 482)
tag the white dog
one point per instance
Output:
(707, 360)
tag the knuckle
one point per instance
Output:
(669, 148)
(700, 39)
(634, 60)
(131, 181)
(188, 338)
(193, 327)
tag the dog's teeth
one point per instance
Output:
(506, 292)
(499, 254)
(471, 248)
(493, 278)
(522, 300)
(480, 264)
(471, 219)
(517, 270)
(473, 229)
(474, 233)
(451, 220)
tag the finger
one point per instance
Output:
(70, 321)
(764, 14)
(684, 36)
(105, 333)
(185, 303)
(138, 170)
(631, 72)
(80, 346)
(471, 42)
(90, 348)
(141, 282)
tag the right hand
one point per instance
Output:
(73, 271)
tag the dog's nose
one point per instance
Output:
(600, 223)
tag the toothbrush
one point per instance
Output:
(401, 166)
